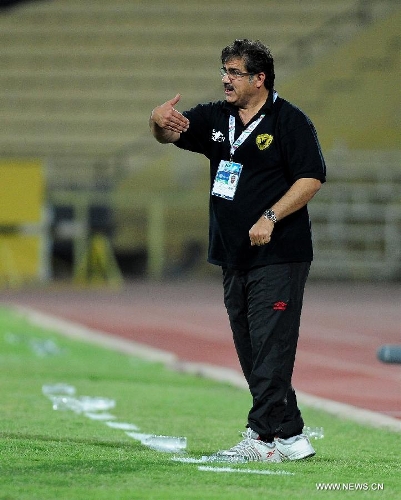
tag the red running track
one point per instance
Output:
(342, 327)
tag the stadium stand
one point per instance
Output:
(80, 76)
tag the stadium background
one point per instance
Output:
(89, 199)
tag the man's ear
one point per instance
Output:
(260, 79)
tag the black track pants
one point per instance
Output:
(264, 307)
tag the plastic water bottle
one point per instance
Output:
(58, 390)
(64, 403)
(314, 432)
(169, 444)
(90, 404)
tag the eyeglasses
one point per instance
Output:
(233, 73)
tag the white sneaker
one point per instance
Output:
(295, 448)
(253, 449)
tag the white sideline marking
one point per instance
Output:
(246, 471)
(220, 374)
(123, 426)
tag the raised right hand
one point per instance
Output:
(168, 118)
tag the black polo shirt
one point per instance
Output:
(282, 149)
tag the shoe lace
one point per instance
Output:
(246, 449)
(249, 434)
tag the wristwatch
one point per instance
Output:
(270, 215)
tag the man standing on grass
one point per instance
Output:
(265, 165)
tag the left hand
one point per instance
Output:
(260, 233)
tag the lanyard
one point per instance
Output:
(241, 139)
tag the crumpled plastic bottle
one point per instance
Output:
(314, 432)
(90, 404)
(65, 403)
(60, 389)
(170, 444)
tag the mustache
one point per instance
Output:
(228, 86)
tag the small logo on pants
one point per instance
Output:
(280, 306)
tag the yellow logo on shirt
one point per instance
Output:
(263, 141)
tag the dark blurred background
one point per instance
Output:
(88, 195)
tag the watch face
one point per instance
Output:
(269, 214)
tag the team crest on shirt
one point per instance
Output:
(263, 141)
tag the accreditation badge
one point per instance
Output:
(226, 180)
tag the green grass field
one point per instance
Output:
(64, 455)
